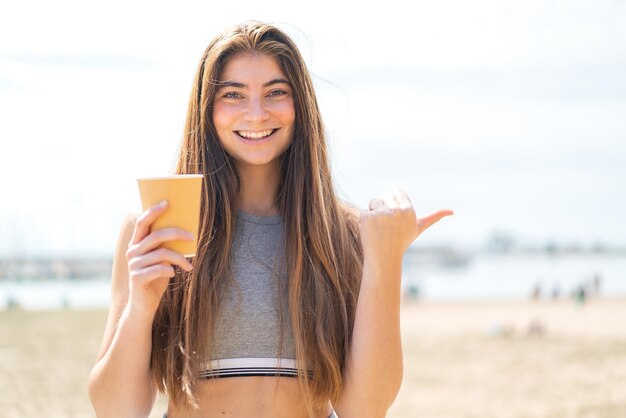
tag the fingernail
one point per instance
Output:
(162, 203)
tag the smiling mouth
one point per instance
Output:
(256, 134)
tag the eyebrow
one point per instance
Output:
(228, 83)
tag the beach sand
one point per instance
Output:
(461, 359)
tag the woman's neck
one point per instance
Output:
(258, 188)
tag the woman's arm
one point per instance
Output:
(374, 365)
(120, 384)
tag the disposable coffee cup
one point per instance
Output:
(183, 193)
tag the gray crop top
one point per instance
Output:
(246, 337)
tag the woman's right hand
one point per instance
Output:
(150, 267)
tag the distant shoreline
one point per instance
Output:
(71, 268)
(427, 276)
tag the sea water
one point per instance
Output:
(481, 276)
(55, 294)
(519, 276)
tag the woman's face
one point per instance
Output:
(253, 111)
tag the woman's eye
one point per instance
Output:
(231, 95)
(277, 93)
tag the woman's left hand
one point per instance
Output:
(391, 225)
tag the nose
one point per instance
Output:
(256, 111)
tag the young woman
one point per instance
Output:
(291, 306)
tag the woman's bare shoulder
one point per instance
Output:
(119, 280)
(128, 222)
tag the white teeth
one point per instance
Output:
(255, 135)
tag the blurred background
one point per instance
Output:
(511, 113)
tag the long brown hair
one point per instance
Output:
(322, 245)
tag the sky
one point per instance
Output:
(511, 113)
